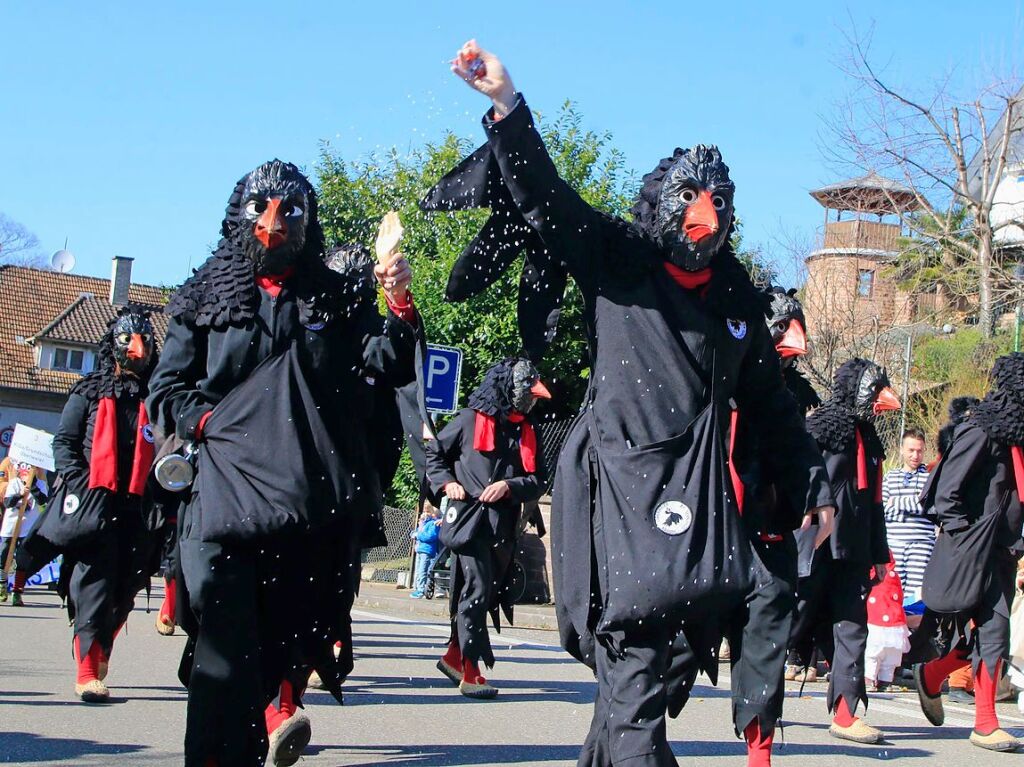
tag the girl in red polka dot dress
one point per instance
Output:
(888, 635)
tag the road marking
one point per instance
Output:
(496, 639)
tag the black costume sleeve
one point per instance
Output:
(389, 346)
(175, 403)
(569, 226)
(791, 456)
(966, 455)
(69, 441)
(443, 452)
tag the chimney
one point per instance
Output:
(120, 280)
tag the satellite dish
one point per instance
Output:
(63, 260)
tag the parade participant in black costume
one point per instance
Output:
(975, 494)
(840, 579)
(266, 340)
(959, 411)
(487, 462)
(99, 519)
(645, 527)
(759, 632)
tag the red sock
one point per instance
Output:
(89, 666)
(471, 672)
(843, 716)
(936, 671)
(985, 720)
(285, 709)
(453, 655)
(20, 579)
(167, 608)
(759, 747)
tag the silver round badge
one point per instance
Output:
(147, 433)
(71, 504)
(673, 517)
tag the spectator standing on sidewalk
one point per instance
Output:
(911, 535)
(428, 545)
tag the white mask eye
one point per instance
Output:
(124, 339)
(689, 196)
(254, 208)
(295, 211)
(718, 201)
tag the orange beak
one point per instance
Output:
(886, 400)
(540, 391)
(701, 218)
(793, 342)
(136, 348)
(270, 228)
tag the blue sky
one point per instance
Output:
(125, 125)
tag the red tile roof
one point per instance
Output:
(38, 300)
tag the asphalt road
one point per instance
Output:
(400, 711)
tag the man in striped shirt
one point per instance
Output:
(910, 535)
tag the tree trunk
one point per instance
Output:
(986, 311)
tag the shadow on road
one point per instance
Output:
(24, 747)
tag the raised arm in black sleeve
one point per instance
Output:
(175, 403)
(966, 455)
(567, 224)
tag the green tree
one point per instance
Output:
(355, 194)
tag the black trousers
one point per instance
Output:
(258, 614)
(478, 576)
(758, 639)
(984, 632)
(628, 728)
(835, 593)
(106, 573)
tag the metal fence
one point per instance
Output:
(384, 563)
(553, 435)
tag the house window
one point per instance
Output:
(865, 282)
(68, 359)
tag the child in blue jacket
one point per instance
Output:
(428, 546)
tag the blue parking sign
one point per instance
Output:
(442, 371)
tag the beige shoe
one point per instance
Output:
(997, 740)
(724, 652)
(93, 692)
(791, 672)
(449, 671)
(315, 682)
(479, 689)
(164, 628)
(289, 740)
(807, 675)
(931, 705)
(858, 732)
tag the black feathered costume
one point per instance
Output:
(104, 517)
(264, 365)
(759, 633)
(489, 441)
(974, 494)
(839, 580)
(643, 480)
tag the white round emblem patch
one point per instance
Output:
(738, 328)
(452, 514)
(71, 504)
(673, 517)
(147, 433)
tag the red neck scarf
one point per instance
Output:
(103, 463)
(486, 426)
(272, 283)
(862, 469)
(1017, 458)
(688, 280)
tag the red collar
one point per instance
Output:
(688, 280)
(272, 283)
